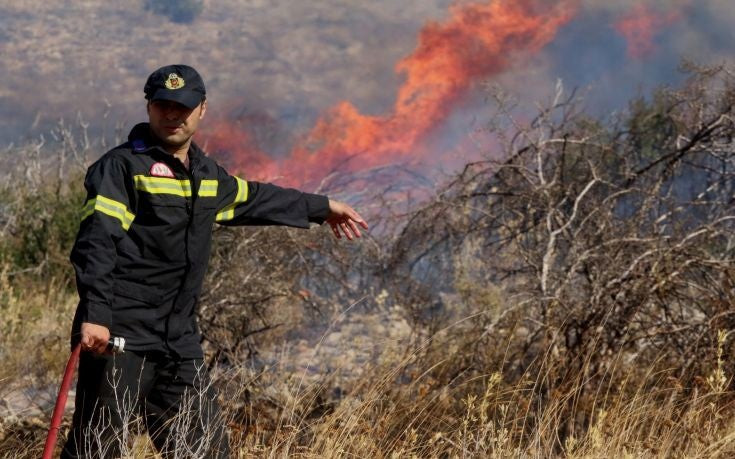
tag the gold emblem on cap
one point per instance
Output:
(174, 81)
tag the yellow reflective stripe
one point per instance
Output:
(88, 208)
(208, 189)
(242, 191)
(109, 207)
(163, 185)
(228, 213)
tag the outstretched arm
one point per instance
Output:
(342, 216)
(254, 203)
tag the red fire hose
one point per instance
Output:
(116, 345)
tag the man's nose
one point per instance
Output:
(172, 113)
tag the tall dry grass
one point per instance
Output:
(387, 415)
(34, 346)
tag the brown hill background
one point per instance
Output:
(277, 66)
(287, 60)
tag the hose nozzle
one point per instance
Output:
(116, 345)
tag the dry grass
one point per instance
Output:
(652, 416)
(34, 346)
(396, 407)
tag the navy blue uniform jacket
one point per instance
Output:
(145, 237)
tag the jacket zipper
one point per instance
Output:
(189, 215)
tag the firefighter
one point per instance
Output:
(140, 257)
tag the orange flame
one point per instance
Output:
(640, 26)
(477, 41)
(231, 142)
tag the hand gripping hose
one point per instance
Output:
(117, 346)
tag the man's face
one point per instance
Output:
(173, 123)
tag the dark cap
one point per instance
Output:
(178, 83)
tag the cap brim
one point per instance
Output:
(185, 97)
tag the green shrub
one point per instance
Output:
(43, 225)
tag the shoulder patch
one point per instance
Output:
(161, 170)
(138, 145)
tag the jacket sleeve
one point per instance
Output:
(106, 217)
(243, 202)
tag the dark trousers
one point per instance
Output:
(172, 396)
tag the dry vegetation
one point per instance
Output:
(573, 300)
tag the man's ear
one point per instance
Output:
(203, 109)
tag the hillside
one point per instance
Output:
(288, 60)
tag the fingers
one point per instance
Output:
(94, 338)
(94, 345)
(335, 230)
(356, 218)
(355, 230)
(346, 229)
(345, 220)
(100, 348)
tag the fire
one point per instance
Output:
(640, 27)
(231, 142)
(478, 40)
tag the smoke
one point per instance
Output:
(641, 25)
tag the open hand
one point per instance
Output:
(344, 218)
